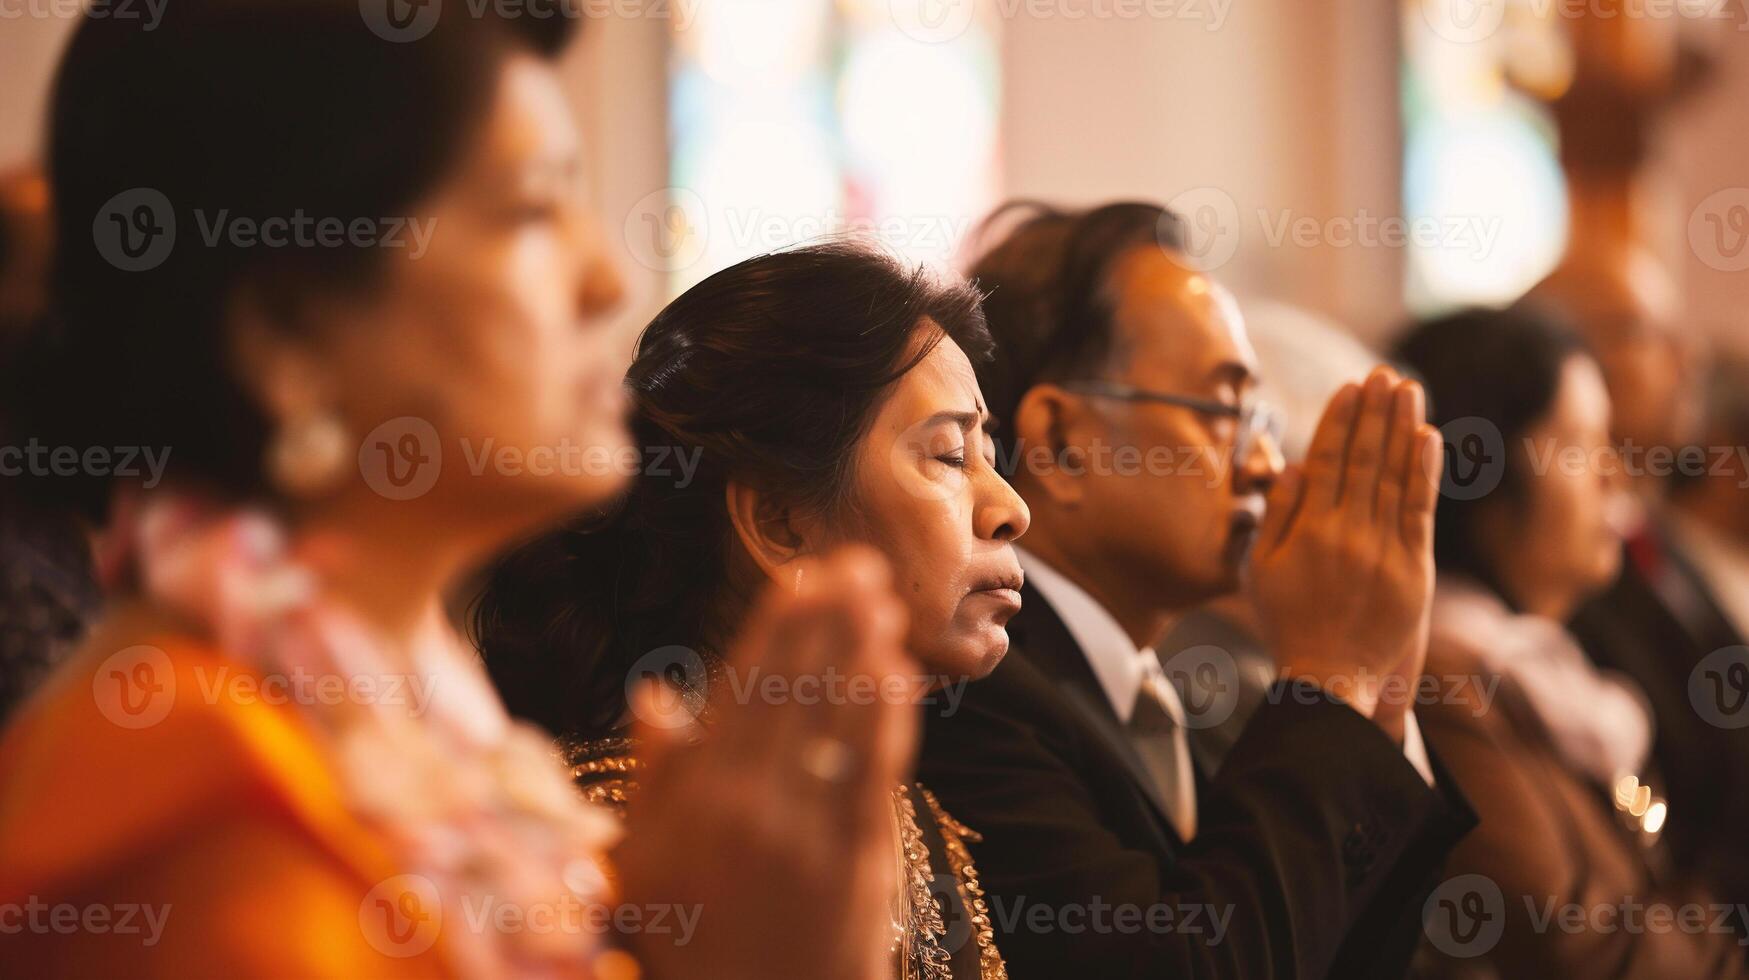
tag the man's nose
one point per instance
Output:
(1263, 462)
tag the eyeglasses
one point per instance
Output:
(1256, 418)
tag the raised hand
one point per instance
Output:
(1342, 569)
(778, 827)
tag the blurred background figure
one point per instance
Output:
(274, 743)
(1672, 615)
(1709, 513)
(47, 589)
(1551, 751)
(1628, 309)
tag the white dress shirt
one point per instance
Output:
(1122, 668)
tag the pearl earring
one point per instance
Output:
(307, 455)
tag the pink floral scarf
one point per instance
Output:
(499, 858)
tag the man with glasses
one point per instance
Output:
(1123, 384)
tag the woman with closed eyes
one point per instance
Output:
(828, 396)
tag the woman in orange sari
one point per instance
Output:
(322, 288)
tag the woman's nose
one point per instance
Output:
(1001, 515)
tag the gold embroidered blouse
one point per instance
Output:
(930, 940)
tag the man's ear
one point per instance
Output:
(768, 529)
(1049, 418)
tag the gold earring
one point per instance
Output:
(307, 455)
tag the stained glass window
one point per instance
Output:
(1480, 148)
(794, 119)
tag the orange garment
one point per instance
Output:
(223, 820)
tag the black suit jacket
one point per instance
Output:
(1656, 624)
(1316, 843)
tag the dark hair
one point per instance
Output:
(770, 371)
(7, 233)
(1047, 300)
(1502, 367)
(257, 108)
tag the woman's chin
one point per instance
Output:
(989, 646)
